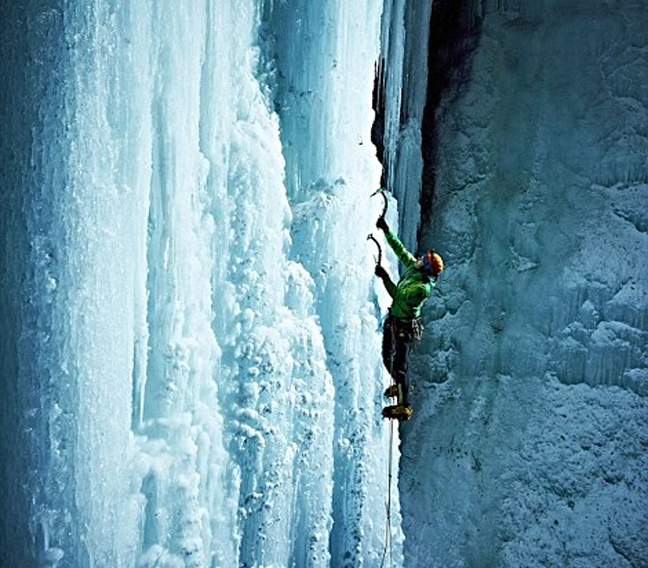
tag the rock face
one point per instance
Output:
(528, 443)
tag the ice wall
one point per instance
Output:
(191, 372)
(324, 87)
(401, 97)
(527, 446)
(33, 62)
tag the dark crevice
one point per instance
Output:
(378, 126)
(455, 29)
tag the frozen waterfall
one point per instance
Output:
(189, 321)
(192, 358)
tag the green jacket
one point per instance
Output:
(412, 289)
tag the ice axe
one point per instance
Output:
(370, 237)
(382, 192)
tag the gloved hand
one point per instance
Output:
(382, 224)
(381, 272)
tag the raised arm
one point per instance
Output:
(405, 256)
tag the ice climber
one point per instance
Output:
(403, 327)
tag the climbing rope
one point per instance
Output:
(392, 357)
(388, 532)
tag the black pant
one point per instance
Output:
(399, 336)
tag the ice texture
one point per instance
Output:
(191, 362)
(528, 442)
(189, 322)
(403, 81)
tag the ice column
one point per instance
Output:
(402, 97)
(196, 340)
(325, 55)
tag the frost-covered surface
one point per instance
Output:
(190, 347)
(191, 363)
(403, 78)
(528, 443)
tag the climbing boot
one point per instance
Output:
(399, 411)
(391, 391)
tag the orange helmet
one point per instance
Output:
(432, 263)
